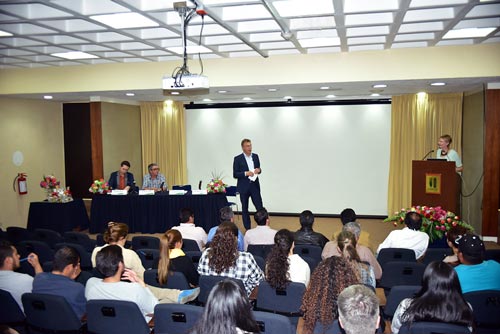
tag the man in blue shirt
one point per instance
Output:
(60, 282)
(473, 272)
(154, 180)
(226, 215)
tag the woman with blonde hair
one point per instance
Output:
(346, 242)
(172, 258)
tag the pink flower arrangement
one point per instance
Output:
(216, 186)
(49, 182)
(435, 220)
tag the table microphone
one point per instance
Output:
(161, 186)
(199, 185)
(425, 156)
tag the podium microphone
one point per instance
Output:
(161, 186)
(425, 156)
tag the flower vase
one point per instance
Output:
(50, 195)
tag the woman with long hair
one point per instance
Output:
(227, 311)
(319, 303)
(282, 266)
(346, 242)
(172, 258)
(116, 234)
(439, 300)
(222, 258)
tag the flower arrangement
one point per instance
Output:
(435, 220)
(99, 187)
(49, 182)
(53, 190)
(216, 185)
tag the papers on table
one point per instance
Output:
(199, 192)
(119, 192)
(177, 192)
(146, 192)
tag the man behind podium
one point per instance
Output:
(246, 168)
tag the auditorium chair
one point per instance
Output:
(175, 280)
(16, 234)
(148, 257)
(189, 245)
(436, 254)
(395, 254)
(423, 327)
(11, 314)
(194, 256)
(143, 241)
(260, 250)
(41, 249)
(232, 192)
(492, 254)
(207, 282)
(311, 251)
(260, 262)
(486, 307)
(270, 323)
(396, 295)
(50, 237)
(176, 318)
(401, 273)
(312, 262)
(105, 316)
(81, 239)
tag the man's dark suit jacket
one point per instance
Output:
(113, 180)
(240, 167)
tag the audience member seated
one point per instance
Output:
(189, 230)
(328, 280)
(305, 235)
(409, 237)
(226, 215)
(349, 216)
(282, 266)
(222, 258)
(473, 272)
(262, 234)
(61, 281)
(228, 311)
(110, 263)
(116, 234)
(16, 283)
(172, 258)
(358, 310)
(347, 247)
(365, 254)
(451, 237)
(439, 300)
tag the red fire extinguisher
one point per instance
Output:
(22, 186)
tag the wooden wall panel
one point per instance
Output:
(96, 140)
(491, 190)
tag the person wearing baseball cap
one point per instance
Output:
(473, 272)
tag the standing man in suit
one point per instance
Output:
(246, 168)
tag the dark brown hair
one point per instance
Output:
(223, 250)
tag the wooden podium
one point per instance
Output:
(435, 183)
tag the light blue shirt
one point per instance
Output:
(249, 160)
(483, 276)
(452, 155)
(148, 182)
(241, 243)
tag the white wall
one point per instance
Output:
(322, 158)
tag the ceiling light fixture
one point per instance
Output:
(246, 98)
(125, 20)
(375, 94)
(468, 33)
(438, 84)
(379, 86)
(207, 100)
(48, 97)
(324, 87)
(222, 91)
(287, 97)
(4, 33)
(272, 89)
(74, 55)
(130, 94)
(174, 93)
(330, 96)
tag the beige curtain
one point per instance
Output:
(418, 120)
(164, 140)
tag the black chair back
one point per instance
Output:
(175, 280)
(436, 254)
(286, 301)
(486, 306)
(189, 245)
(81, 239)
(311, 251)
(401, 273)
(395, 254)
(492, 254)
(17, 234)
(50, 237)
(433, 328)
(260, 250)
(50, 313)
(397, 294)
(115, 317)
(176, 318)
(312, 262)
(270, 323)
(41, 249)
(142, 241)
(148, 257)
(208, 282)
(11, 314)
(260, 262)
(194, 256)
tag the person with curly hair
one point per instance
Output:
(228, 311)
(222, 258)
(172, 258)
(328, 280)
(282, 266)
(346, 242)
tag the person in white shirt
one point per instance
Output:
(409, 237)
(189, 230)
(282, 265)
(262, 234)
(16, 283)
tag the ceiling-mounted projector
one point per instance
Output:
(188, 84)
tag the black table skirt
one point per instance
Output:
(154, 214)
(60, 217)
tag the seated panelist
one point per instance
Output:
(154, 180)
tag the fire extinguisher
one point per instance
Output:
(22, 186)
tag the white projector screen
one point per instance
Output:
(322, 158)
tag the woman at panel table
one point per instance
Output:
(445, 152)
